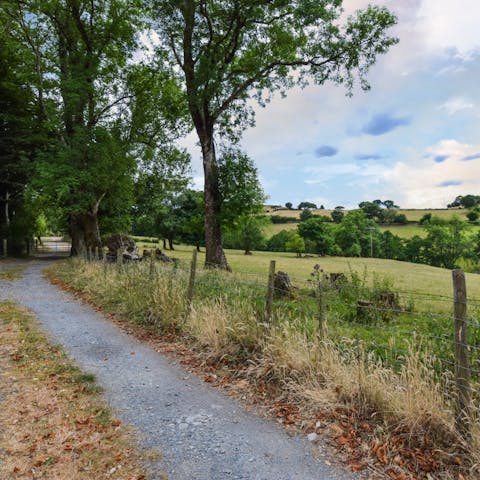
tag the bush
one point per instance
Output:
(282, 219)
(400, 218)
(277, 242)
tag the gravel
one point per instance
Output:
(200, 433)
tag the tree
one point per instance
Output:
(80, 48)
(289, 205)
(473, 215)
(357, 235)
(296, 244)
(469, 201)
(305, 214)
(240, 191)
(309, 205)
(400, 218)
(161, 181)
(231, 51)
(415, 250)
(318, 231)
(389, 204)
(277, 242)
(193, 232)
(247, 233)
(337, 214)
(372, 210)
(446, 242)
(465, 201)
(426, 219)
(23, 132)
(392, 246)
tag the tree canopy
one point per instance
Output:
(231, 51)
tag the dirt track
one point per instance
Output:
(201, 433)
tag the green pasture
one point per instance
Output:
(405, 277)
(412, 214)
(405, 231)
(273, 228)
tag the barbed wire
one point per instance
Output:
(307, 309)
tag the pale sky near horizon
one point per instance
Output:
(414, 138)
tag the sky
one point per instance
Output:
(414, 138)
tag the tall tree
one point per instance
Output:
(160, 182)
(21, 134)
(81, 48)
(239, 187)
(232, 50)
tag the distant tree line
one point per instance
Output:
(465, 201)
(447, 242)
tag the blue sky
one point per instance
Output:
(414, 138)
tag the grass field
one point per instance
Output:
(296, 213)
(274, 228)
(403, 231)
(405, 276)
(413, 215)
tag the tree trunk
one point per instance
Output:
(7, 213)
(170, 244)
(92, 231)
(164, 244)
(78, 236)
(214, 256)
(85, 233)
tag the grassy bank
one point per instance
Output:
(53, 421)
(378, 365)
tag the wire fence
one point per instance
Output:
(385, 324)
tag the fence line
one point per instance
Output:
(452, 343)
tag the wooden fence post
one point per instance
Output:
(104, 264)
(191, 281)
(119, 259)
(462, 370)
(151, 274)
(322, 324)
(270, 291)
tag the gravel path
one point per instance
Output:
(202, 434)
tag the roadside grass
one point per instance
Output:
(382, 368)
(54, 422)
(12, 273)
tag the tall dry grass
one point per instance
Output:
(226, 321)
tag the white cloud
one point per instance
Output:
(418, 181)
(456, 104)
(450, 24)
